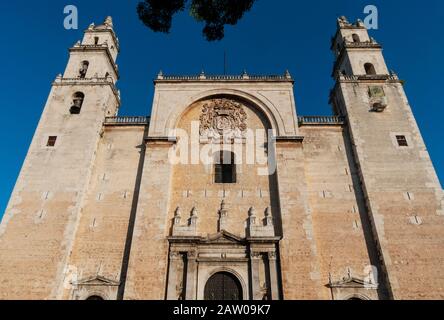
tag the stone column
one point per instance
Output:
(255, 277)
(172, 276)
(191, 276)
(274, 279)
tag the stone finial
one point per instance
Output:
(202, 75)
(160, 75)
(223, 209)
(268, 217)
(245, 75)
(360, 23)
(223, 215)
(263, 229)
(252, 216)
(287, 74)
(59, 78)
(342, 21)
(108, 22)
(177, 216)
(193, 219)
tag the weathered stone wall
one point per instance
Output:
(148, 262)
(298, 252)
(102, 232)
(337, 206)
(402, 188)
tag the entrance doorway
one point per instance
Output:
(223, 286)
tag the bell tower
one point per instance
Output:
(41, 218)
(401, 189)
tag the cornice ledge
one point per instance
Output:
(289, 139)
(161, 140)
(93, 47)
(60, 81)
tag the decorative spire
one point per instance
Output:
(245, 75)
(268, 217)
(223, 216)
(193, 218)
(160, 75)
(177, 216)
(252, 216)
(343, 22)
(360, 23)
(287, 74)
(108, 22)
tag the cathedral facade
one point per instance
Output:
(225, 192)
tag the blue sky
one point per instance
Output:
(274, 36)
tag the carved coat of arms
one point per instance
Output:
(223, 118)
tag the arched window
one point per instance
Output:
(370, 69)
(225, 167)
(78, 99)
(95, 298)
(83, 69)
(356, 38)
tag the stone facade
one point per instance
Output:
(349, 207)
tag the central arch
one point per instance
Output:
(265, 108)
(223, 286)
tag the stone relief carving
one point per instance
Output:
(223, 118)
(378, 99)
(376, 92)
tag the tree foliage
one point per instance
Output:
(216, 14)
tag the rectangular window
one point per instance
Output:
(223, 172)
(51, 141)
(402, 141)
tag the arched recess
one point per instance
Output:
(231, 272)
(267, 110)
(85, 294)
(357, 296)
(370, 69)
(95, 298)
